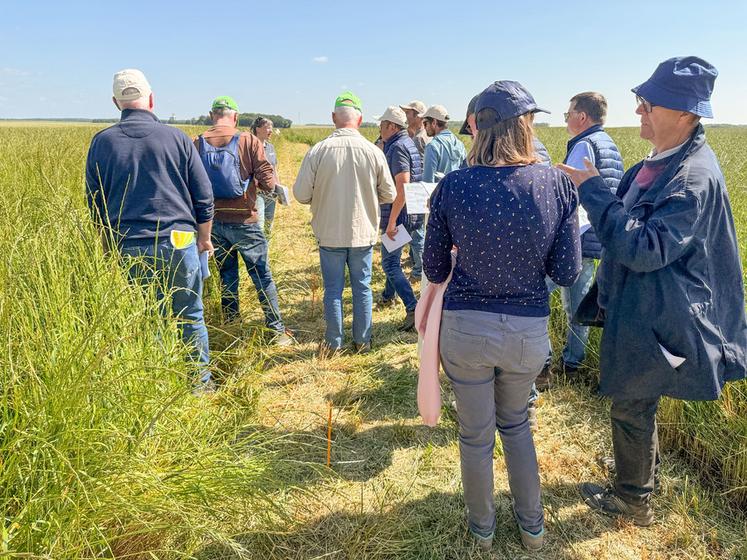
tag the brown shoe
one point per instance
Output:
(409, 323)
(544, 379)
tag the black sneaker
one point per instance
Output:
(409, 323)
(544, 379)
(608, 502)
(570, 373)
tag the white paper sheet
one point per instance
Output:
(283, 193)
(417, 196)
(204, 267)
(400, 239)
(583, 220)
(674, 361)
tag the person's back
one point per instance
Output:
(512, 227)
(344, 178)
(345, 203)
(513, 221)
(139, 173)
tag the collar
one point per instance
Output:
(653, 156)
(346, 132)
(138, 114)
(395, 138)
(220, 130)
(588, 132)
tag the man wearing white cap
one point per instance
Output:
(405, 166)
(446, 152)
(151, 198)
(415, 128)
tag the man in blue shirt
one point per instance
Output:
(151, 198)
(584, 122)
(405, 166)
(445, 152)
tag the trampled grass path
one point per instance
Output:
(393, 490)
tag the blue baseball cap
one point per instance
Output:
(508, 99)
(682, 83)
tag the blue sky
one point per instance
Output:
(292, 58)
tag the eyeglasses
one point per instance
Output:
(647, 107)
(568, 114)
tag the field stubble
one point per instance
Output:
(104, 453)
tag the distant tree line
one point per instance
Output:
(245, 119)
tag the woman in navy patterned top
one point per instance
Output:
(514, 222)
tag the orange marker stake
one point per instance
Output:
(329, 436)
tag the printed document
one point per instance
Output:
(417, 196)
(400, 240)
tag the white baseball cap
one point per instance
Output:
(415, 105)
(132, 79)
(436, 112)
(394, 114)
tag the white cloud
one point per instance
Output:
(320, 59)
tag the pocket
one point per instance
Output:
(181, 239)
(462, 349)
(534, 351)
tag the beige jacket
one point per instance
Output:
(344, 178)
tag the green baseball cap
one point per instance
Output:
(225, 102)
(349, 99)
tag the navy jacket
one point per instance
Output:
(145, 178)
(513, 226)
(609, 163)
(672, 275)
(401, 155)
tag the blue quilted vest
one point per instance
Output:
(609, 163)
(401, 141)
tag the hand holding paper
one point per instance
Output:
(400, 239)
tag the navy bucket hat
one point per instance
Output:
(682, 83)
(508, 99)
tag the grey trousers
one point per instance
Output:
(492, 361)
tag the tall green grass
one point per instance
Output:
(103, 450)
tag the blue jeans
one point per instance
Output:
(492, 360)
(358, 260)
(417, 232)
(578, 336)
(396, 282)
(248, 241)
(178, 272)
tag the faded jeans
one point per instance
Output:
(492, 359)
(416, 230)
(177, 271)
(333, 261)
(247, 241)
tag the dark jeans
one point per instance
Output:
(247, 240)
(396, 284)
(636, 447)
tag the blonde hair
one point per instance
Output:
(508, 142)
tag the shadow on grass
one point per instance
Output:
(430, 527)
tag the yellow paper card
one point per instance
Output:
(182, 239)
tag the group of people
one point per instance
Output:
(649, 254)
(162, 199)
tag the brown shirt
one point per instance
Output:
(252, 162)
